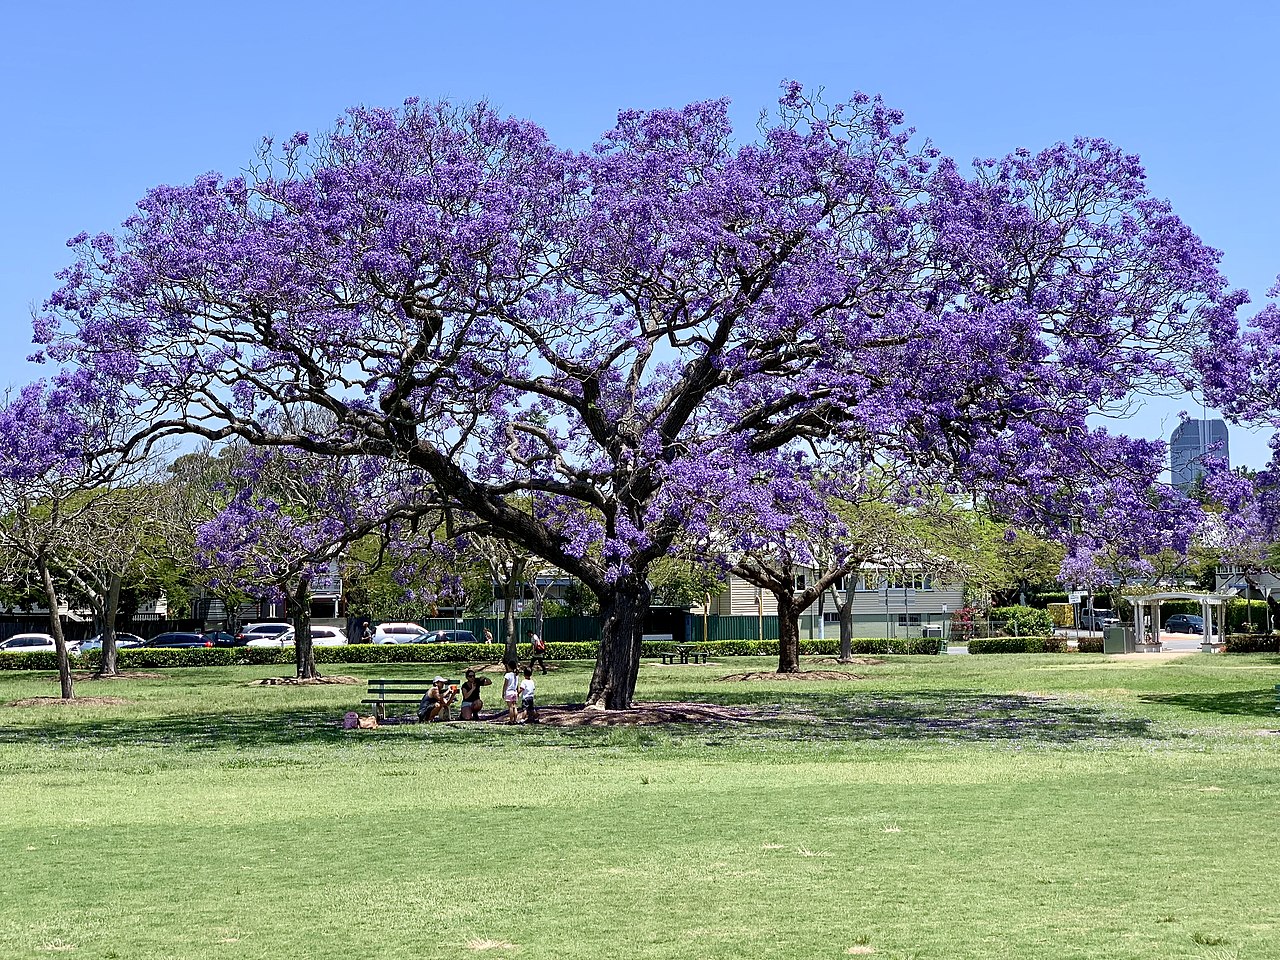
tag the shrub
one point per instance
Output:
(1236, 643)
(1023, 621)
(1044, 644)
(1238, 611)
(1089, 645)
(40, 660)
(1062, 614)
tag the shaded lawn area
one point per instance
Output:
(962, 807)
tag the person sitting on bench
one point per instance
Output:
(471, 703)
(435, 701)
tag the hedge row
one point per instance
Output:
(151, 658)
(1252, 643)
(1089, 645)
(1017, 645)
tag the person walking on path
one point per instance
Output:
(539, 654)
(488, 636)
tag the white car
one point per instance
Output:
(123, 642)
(320, 637)
(398, 633)
(29, 643)
(254, 632)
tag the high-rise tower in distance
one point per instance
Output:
(1191, 442)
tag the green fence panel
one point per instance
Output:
(733, 628)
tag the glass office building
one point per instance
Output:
(1191, 442)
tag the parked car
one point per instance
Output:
(29, 643)
(1097, 620)
(321, 636)
(123, 642)
(253, 631)
(398, 633)
(179, 640)
(447, 636)
(1184, 623)
(221, 638)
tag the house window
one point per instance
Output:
(908, 619)
(831, 617)
(800, 583)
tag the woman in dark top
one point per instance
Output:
(471, 703)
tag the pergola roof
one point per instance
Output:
(1183, 595)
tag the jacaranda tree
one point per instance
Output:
(584, 330)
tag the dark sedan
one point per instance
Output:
(179, 640)
(1184, 623)
(447, 636)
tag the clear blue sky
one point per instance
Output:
(104, 100)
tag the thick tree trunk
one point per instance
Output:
(108, 665)
(55, 629)
(539, 601)
(623, 607)
(304, 653)
(846, 624)
(788, 633)
(509, 658)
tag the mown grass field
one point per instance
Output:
(949, 807)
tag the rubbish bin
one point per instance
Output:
(1117, 638)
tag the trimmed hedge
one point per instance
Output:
(1252, 643)
(158, 657)
(1089, 645)
(1017, 645)
(1024, 621)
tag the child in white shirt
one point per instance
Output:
(526, 697)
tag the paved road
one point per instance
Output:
(1179, 642)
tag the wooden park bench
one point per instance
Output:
(383, 692)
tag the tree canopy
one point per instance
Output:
(443, 287)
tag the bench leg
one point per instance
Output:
(380, 711)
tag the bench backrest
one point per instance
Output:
(403, 688)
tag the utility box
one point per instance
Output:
(932, 633)
(1117, 638)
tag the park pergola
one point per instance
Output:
(1210, 604)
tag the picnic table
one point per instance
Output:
(685, 653)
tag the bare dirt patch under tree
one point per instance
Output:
(799, 675)
(77, 702)
(303, 681)
(645, 714)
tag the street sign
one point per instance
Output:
(1075, 596)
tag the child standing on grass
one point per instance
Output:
(526, 697)
(510, 693)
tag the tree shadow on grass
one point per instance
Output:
(1235, 703)
(957, 716)
(953, 715)
(196, 731)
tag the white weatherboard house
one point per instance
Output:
(897, 602)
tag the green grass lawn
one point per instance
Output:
(949, 807)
